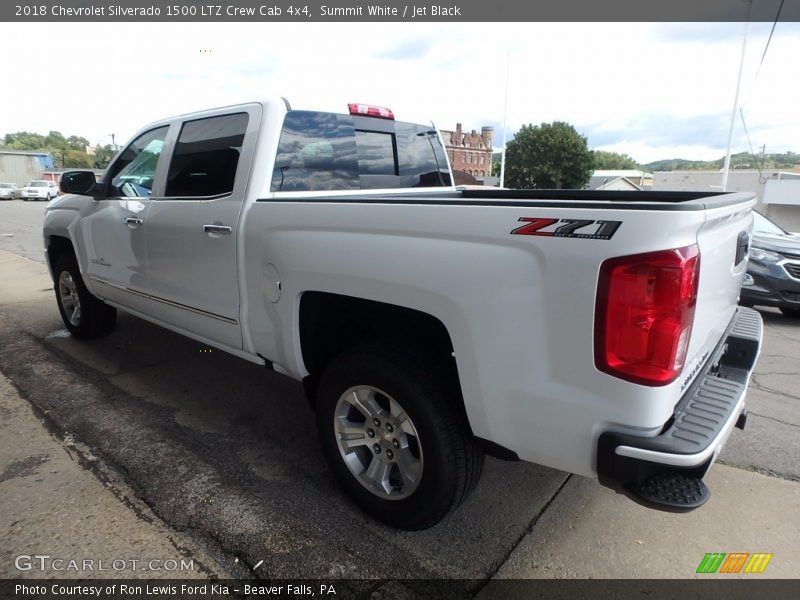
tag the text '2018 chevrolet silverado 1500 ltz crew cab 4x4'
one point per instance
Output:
(594, 332)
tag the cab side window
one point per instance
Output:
(206, 157)
(133, 172)
(421, 158)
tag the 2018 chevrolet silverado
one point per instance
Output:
(594, 332)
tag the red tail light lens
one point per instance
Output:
(645, 310)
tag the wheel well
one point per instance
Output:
(57, 246)
(332, 323)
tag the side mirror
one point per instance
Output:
(80, 182)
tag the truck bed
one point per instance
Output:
(619, 200)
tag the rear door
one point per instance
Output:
(192, 230)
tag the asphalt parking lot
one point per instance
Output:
(222, 455)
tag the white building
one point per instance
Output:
(777, 192)
(611, 182)
(641, 179)
(20, 166)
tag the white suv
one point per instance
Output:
(39, 188)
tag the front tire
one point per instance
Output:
(395, 434)
(84, 315)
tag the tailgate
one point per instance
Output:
(722, 269)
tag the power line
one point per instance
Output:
(755, 78)
(766, 46)
(749, 143)
(769, 39)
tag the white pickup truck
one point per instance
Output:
(594, 332)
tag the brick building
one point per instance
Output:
(469, 152)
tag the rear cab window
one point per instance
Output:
(329, 152)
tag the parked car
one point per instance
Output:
(595, 332)
(773, 269)
(8, 191)
(39, 189)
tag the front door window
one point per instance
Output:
(134, 171)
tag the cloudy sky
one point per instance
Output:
(652, 91)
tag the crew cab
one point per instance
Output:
(595, 332)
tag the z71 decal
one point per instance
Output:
(572, 228)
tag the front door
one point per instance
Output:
(192, 230)
(113, 233)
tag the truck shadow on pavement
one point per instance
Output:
(227, 451)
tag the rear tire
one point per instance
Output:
(791, 312)
(394, 432)
(84, 315)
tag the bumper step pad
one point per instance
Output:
(665, 471)
(672, 491)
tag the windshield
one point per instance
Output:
(762, 224)
(5, 185)
(37, 184)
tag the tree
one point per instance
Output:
(76, 158)
(77, 142)
(613, 160)
(103, 156)
(25, 140)
(67, 151)
(55, 141)
(550, 155)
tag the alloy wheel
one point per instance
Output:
(378, 442)
(70, 301)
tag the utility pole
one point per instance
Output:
(726, 167)
(505, 115)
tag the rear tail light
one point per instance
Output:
(366, 110)
(645, 310)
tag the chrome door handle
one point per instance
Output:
(217, 229)
(132, 221)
